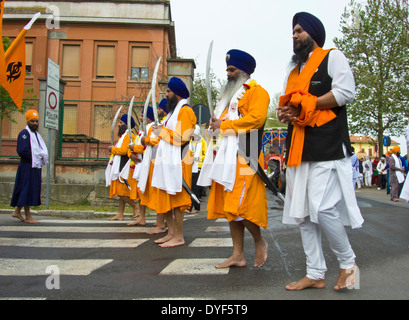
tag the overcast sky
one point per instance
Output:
(262, 28)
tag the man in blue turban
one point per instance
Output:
(318, 153)
(314, 35)
(241, 60)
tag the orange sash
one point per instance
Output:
(297, 94)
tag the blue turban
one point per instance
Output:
(312, 25)
(241, 60)
(124, 119)
(178, 87)
(149, 113)
(163, 105)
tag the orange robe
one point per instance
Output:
(160, 200)
(223, 204)
(119, 188)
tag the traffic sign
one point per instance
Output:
(52, 109)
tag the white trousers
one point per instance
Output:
(330, 223)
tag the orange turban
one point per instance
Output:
(31, 114)
(396, 149)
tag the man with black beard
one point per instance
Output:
(33, 153)
(119, 157)
(237, 193)
(319, 190)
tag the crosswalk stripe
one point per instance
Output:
(71, 243)
(194, 267)
(38, 267)
(75, 229)
(212, 242)
(216, 229)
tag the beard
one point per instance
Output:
(302, 50)
(172, 103)
(33, 127)
(229, 90)
(122, 130)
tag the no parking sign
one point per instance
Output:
(52, 98)
(51, 108)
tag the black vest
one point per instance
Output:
(324, 143)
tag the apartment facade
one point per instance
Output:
(106, 50)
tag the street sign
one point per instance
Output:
(53, 75)
(52, 109)
(202, 113)
(386, 141)
(52, 98)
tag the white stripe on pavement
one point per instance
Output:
(194, 267)
(71, 243)
(39, 228)
(37, 267)
(212, 242)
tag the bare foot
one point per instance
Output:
(31, 220)
(118, 217)
(261, 253)
(164, 239)
(175, 242)
(233, 261)
(157, 230)
(346, 278)
(305, 283)
(140, 222)
(17, 215)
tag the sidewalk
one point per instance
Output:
(379, 196)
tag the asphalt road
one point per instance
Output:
(84, 259)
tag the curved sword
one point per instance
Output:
(154, 80)
(113, 125)
(129, 119)
(209, 80)
(145, 112)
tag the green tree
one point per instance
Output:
(375, 40)
(199, 95)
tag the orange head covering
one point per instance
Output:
(31, 114)
(396, 149)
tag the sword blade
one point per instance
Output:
(130, 118)
(154, 80)
(145, 112)
(113, 125)
(209, 80)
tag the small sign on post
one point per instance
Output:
(52, 96)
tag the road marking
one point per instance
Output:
(212, 242)
(71, 243)
(194, 267)
(37, 267)
(76, 229)
(216, 229)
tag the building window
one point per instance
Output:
(70, 119)
(71, 61)
(105, 62)
(102, 122)
(29, 57)
(139, 63)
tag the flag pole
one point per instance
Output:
(21, 35)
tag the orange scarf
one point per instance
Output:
(296, 94)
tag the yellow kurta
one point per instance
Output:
(119, 188)
(162, 201)
(222, 204)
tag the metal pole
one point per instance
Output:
(47, 202)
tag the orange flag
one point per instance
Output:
(15, 65)
(2, 59)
